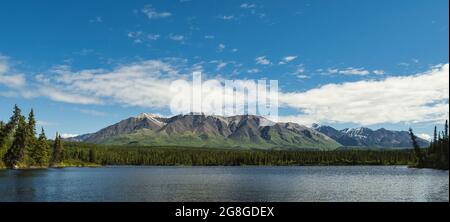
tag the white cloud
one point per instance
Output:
(300, 69)
(221, 47)
(141, 84)
(354, 71)
(178, 38)
(422, 97)
(97, 19)
(303, 76)
(424, 136)
(13, 80)
(287, 60)
(221, 65)
(253, 70)
(141, 37)
(226, 17)
(151, 13)
(153, 36)
(4, 67)
(234, 50)
(378, 72)
(67, 97)
(247, 5)
(68, 135)
(262, 60)
(209, 37)
(332, 71)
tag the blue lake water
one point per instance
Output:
(297, 183)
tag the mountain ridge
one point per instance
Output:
(241, 131)
(366, 137)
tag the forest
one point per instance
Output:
(436, 155)
(21, 148)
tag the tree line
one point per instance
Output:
(19, 146)
(436, 156)
(170, 156)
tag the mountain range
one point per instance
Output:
(365, 137)
(242, 131)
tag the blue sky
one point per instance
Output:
(313, 48)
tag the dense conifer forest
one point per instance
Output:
(436, 155)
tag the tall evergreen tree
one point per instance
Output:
(16, 153)
(31, 127)
(435, 134)
(58, 150)
(31, 140)
(41, 152)
(9, 127)
(446, 130)
(416, 148)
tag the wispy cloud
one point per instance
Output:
(351, 71)
(262, 60)
(287, 60)
(226, 17)
(378, 72)
(248, 5)
(425, 136)
(97, 19)
(68, 135)
(300, 69)
(354, 71)
(8, 77)
(178, 38)
(141, 37)
(221, 47)
(254, 70)
(302, 76)
(151, 13)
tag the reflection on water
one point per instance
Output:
(312, 183)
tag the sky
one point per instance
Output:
(85, 65)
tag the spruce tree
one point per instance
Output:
(10, 127)
(31, 127)
(58, 150)
(41, 152)
(416, 148)
(31, 139)
(446, 130)
(434, 142)
(16, 153)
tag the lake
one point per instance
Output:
(296, 183)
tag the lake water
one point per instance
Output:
(303, 183)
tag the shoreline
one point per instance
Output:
(243, 166)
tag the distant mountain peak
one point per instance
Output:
(366, 137)
(147, 116)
